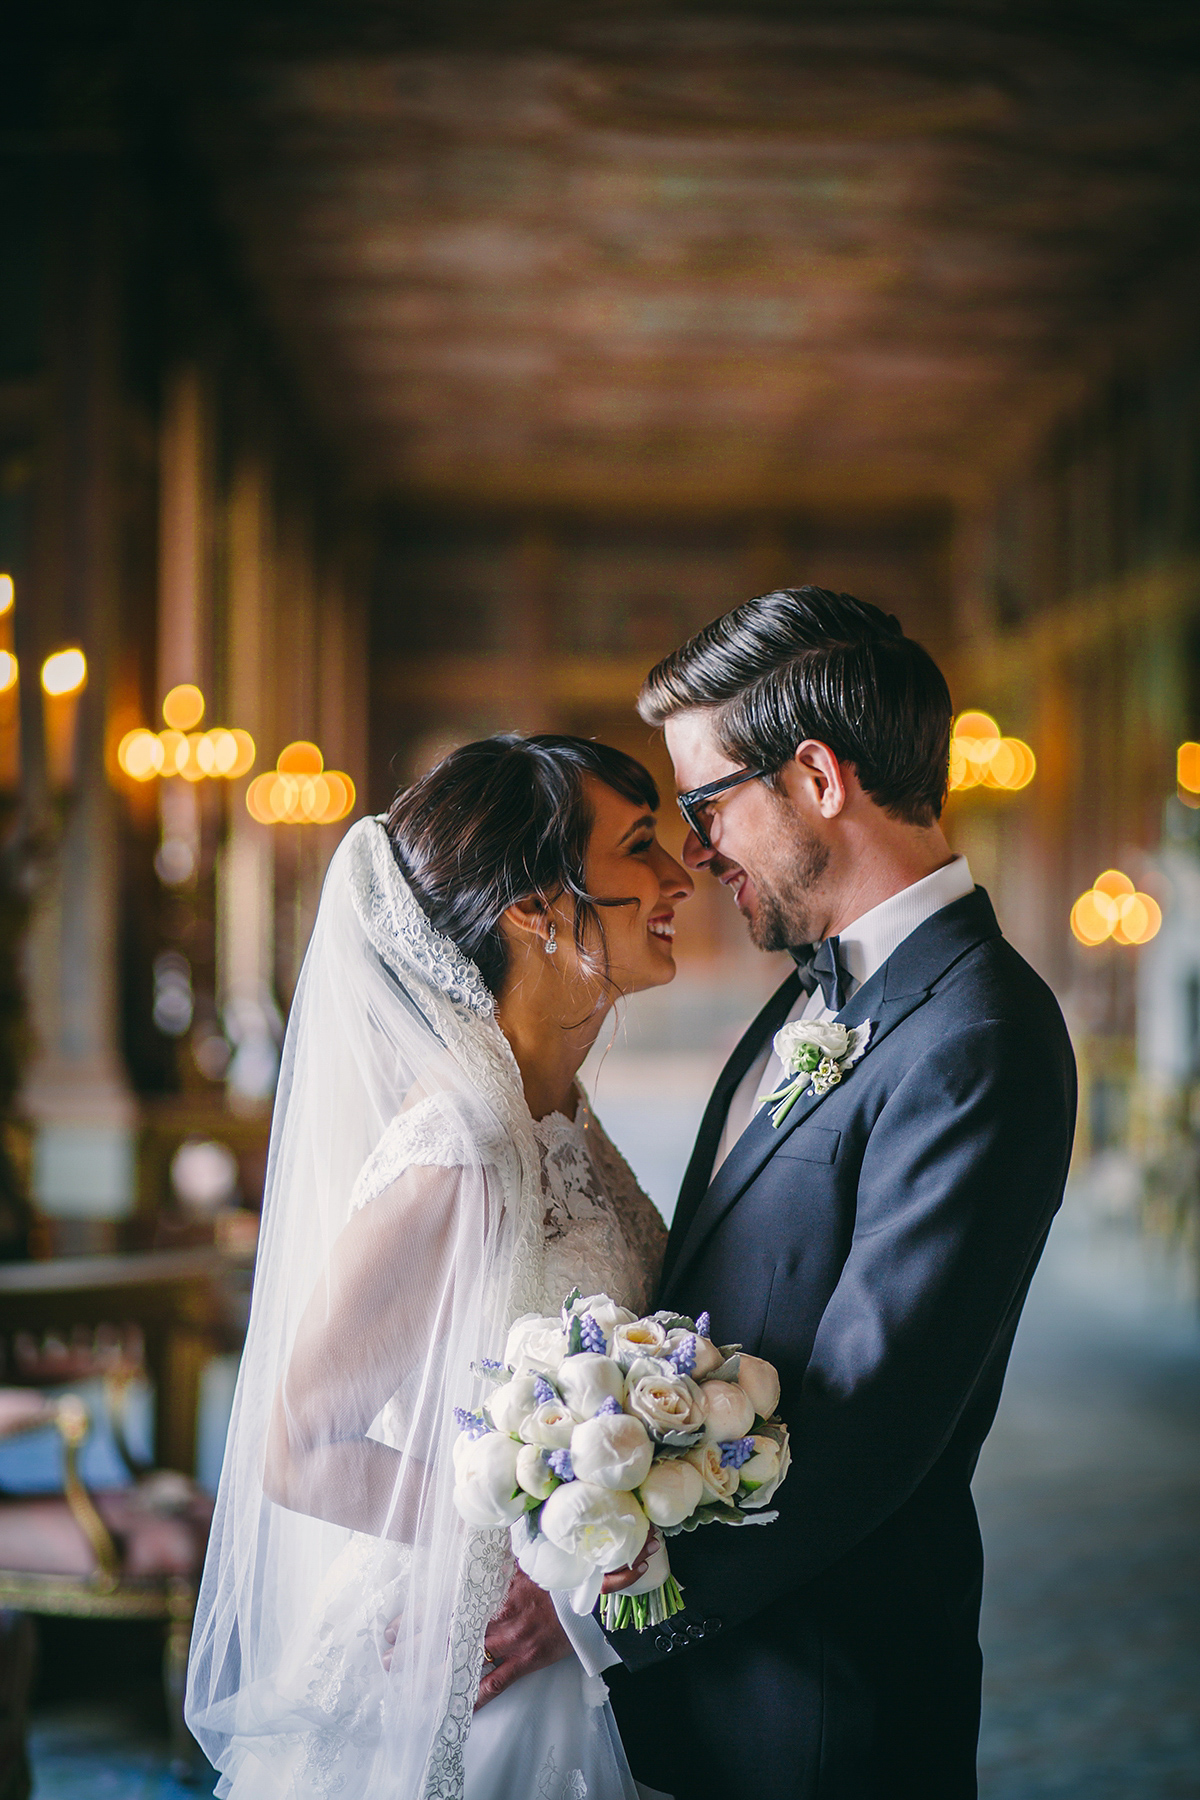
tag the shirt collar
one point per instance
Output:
(866, 944)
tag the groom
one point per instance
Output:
(876, 1245)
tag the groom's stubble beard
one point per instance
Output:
(787, 912)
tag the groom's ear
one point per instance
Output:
(815, 780)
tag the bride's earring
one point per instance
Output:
(552, 939)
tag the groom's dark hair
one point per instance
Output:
(807, 663)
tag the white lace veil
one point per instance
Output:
(400, 1237)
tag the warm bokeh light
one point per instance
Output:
(300, 758)
(140, 754)
(246, 753)
(8, 671)
(64, 673)
(303, 792)
(8, 593)
(1113, 908)
(981, 757)
(1187, 767)
(183, 707)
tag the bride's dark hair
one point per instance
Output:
(499, 820)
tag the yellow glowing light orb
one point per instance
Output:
(1187, 767)
(976, 725)
(8, 593)
(175, 752)
(65, 672)
(258, 799)
(191, 767)
(1025, 760)
(8, 671)
(1088, 923)
(1141, 917)
(301, 758)
(140, 754)
(1114, 883)
(183, 707)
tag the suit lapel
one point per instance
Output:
(903, 983)
(699, 1169)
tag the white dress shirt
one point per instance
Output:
(864, 947)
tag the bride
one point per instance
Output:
(435, 1172)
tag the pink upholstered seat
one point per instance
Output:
(38, 1534)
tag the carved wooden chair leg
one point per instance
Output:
(181, 1602)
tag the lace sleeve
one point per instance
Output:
(433, 1134)
(639, 1218)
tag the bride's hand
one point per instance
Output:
(617, 1579)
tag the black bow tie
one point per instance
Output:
(820, 965)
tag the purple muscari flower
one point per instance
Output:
(735, 1454)
(474, 1424)
(485, 1362)
(684, 1355)
(590, 1334)
(610, 1408)
(704, 1326)
(560, 1462)
(542, 1390)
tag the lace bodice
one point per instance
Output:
(601, 1230)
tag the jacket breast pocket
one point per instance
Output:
(811, 1143)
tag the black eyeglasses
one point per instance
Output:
(692, 803)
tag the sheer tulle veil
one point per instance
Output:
(400, 1237)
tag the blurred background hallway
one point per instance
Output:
(377, 376)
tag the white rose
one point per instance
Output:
(587, 1380)
(533, 1472)
(830, 1039)
(510, 1404)
(486, 1491)
(612, 1450)
(708, 1357)
(535, 1344)
(606, 1529)
(767, 1478)
(760, 1382)
(548, 1566)
(642, 1337)
(728, 1412)
(607, 1314)
(549, 1425)
(671, 1491)
(718, 1483)
(669, 1406)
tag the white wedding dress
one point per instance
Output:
(413, 1209)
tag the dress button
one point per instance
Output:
(712, 1625)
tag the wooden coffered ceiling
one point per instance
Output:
(669, 255)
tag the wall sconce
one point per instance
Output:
(980, 757)
(300, 790)
(218, 753)
(64, 677)
(1112, 908)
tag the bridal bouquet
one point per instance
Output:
(599, 1425)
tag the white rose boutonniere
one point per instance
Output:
(814, 1053)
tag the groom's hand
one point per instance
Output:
(524, 1635)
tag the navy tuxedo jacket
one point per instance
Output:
(877, 1248)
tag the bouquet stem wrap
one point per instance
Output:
(656, 1597)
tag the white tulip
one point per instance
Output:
(510, 1404)
(760, 1381)
(671, 1491)
(613, 1450)
(486, 1491)
(718, 1483)
(549, 1425)
(728, 1412)
(533, 1472)
(644, 1337)
(535, 1344)
(587, 1380)
(606, 1529)
(551, 1568)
